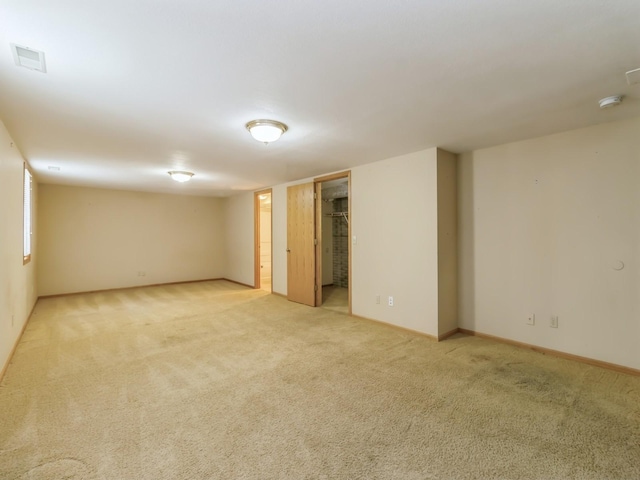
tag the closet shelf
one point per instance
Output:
(344, 215)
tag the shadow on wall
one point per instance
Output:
(466, 243)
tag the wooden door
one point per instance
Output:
(301, 260)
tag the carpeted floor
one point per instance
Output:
(336, 299)
(216, 381)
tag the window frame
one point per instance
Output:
(27, 215)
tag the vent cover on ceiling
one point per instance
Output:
(28, 58)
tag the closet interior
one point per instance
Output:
(335, 244)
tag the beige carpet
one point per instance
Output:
(335, 298)
(216, 381)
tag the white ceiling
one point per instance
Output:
(137, 88)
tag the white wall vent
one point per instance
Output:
(28, 58)
(633, 76)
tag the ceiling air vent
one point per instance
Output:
(28, 58)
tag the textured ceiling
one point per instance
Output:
(137, 88)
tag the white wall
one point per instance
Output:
(239, 231)
(265, 244)
(394, 219)
(279, 219)
(544, 224)
(17, 281)
(94, 239)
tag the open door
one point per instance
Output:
(301, 258)
(333, 248)
(262, 240)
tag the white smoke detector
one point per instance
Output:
(612, 101)
(28, 58)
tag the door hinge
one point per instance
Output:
(315, 241)
(315, 288)
(315, 196)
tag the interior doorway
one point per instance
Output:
(333, 255)
(263, 240)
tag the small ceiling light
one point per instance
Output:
(610, 101)
(266, 130)
(181, 176)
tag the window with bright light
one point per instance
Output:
(26, 209)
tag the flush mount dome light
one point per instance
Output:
(610, 101)
(181, 177)
(266, 130)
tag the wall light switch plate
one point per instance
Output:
(554, 321)
(531, 319)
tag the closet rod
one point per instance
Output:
(344, 215)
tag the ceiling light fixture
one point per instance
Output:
(180, 176)
(610, 101)
(266, 130)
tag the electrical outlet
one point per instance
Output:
(378, 299)
(391, 301)
(142, 274)
(554, 321)
(531, 319)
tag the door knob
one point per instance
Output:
(288, 250)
